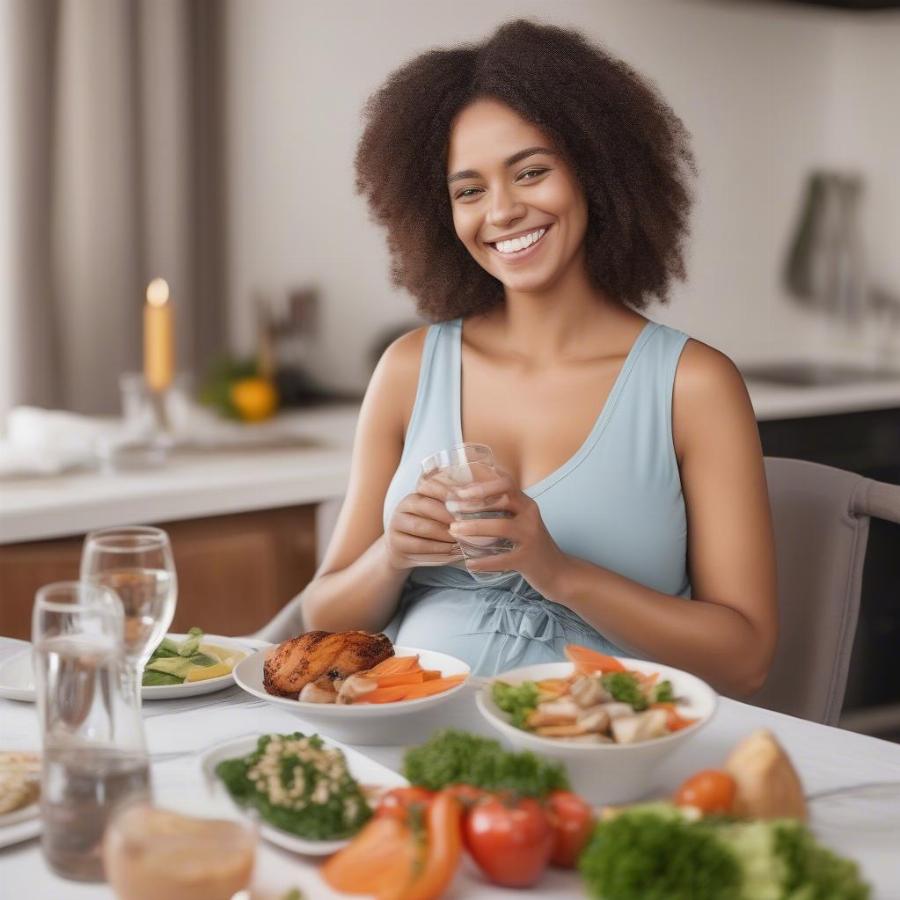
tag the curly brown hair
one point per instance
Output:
(628, 149)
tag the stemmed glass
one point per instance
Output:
(137, 563)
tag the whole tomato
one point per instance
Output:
(510, 839)
(572, 821)
(396, 803)
(711, 791)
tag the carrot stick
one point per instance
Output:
(412, 691)
(386, 694)
(587, 660)
(394, 664)
(431, 674)
(674, 720)
(385, 681)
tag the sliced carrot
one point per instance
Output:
(394, 664)
(674, 720)
(385, 681)
(387, 694)
(587, 660)
(435, 686)
(431, 674)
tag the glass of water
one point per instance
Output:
(94, 755)
(137, 563)
(460, 466)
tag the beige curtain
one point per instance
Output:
(115, 151)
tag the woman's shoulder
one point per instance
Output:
(396, 376)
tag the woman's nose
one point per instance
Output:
(505, 208)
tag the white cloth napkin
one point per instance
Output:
(46, 442)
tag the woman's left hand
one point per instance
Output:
(535, 554)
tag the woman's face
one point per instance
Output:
(517, 205)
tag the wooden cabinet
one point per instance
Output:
(234, 572)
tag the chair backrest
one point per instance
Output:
(821, 522)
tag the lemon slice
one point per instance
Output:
(204, 673)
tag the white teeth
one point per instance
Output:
(520, 243)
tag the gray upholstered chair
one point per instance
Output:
(821, 519)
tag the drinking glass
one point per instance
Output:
(94, 755)
(154, 854)
(136, 562)
(460, 466)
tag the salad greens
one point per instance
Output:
(625, 688)
(456, 757)
(172, 663)
(656, 852)
(519, 700)
(298, 784)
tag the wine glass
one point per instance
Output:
(137, 563)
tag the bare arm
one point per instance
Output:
(727, 632)
(364, 569)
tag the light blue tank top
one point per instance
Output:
(617, 502)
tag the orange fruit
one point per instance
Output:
(254, 398)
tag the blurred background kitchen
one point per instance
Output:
(211, 144)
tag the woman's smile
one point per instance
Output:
(520, 247)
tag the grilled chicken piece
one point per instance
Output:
(322, 654)
(616, 710)
(639, 727)
(594, 719)
(562, 711)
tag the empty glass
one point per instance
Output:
(460, 466)
(137, 563)
(94, 754)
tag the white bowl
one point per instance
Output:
(395, 723)
(606, 773)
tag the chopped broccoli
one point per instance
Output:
(519, 700)
(456, 757)
(625, 688)
(654, 852)
(662, 692)
(651, 854)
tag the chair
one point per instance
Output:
(821, 521)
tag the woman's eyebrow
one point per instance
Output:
(516, 157)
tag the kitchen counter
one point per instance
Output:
(193, 485)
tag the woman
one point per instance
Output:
(534, 190)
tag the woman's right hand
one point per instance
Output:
(418, 534)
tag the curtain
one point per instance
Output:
(114, 175)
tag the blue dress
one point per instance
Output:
(617, 502)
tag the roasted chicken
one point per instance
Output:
(322, 657)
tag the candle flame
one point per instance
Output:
(158, 292)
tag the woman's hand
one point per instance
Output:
(535, 554)
(417, 534)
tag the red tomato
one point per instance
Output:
(396, 803)
(511, 840)
(572, 821)
(711, 791)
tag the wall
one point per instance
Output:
(754, 82)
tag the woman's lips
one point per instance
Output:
(521, 255)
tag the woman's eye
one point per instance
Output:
(467, 193)
(530, 174)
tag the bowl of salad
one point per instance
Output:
(611, 720)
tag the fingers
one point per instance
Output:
(483, 490)
(426, 507)
(492, 528)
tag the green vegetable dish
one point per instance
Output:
(299, 785)
(455, 757)
(656, 852)
(191, 660)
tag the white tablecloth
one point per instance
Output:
(826, 758)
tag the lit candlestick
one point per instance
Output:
(159, 334)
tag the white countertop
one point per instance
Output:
(194, 484)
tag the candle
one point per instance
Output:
(159, 344)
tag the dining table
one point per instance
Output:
(852, 779)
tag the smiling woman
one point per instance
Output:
(535, 194)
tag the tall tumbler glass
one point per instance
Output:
(137, 563)
(460, 466)
(94, 754)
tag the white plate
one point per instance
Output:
(401, 722)
(605, 773)
(20, 824)
(17, 679)
(365, 770)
